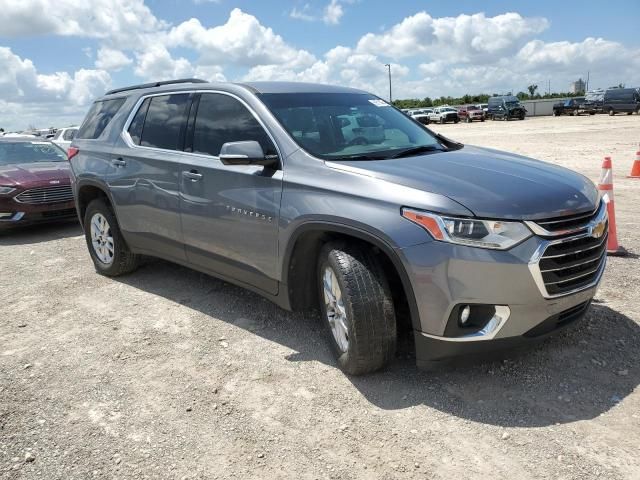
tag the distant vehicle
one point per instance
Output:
(64, 136)
(621, 100)
(574, 107)
(505, 108)
(484, 107)
(469, 113)
(594, 100)
(34, 182)
(444, 115)
(422, 115)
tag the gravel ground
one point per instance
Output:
(167, 373)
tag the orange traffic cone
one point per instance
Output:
(635, 170)
(606, 187)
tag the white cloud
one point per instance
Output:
(462, 38)
(30, 97)
(156, 63)
(241, 40)
(111, 59)
(303, 13)
(333, 12)
(121, 21)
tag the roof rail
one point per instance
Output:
(156, 84)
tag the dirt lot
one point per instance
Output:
(168, 373)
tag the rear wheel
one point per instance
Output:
(611, 112)
(108, 250)
(356, 307)
(468, 119)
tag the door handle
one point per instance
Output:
(118, 162)
(192, 175)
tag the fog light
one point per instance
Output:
(464, 315)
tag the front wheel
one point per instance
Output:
(468, 120)
(441, 120)
(611, 112)
(356, 308)
(108, 250)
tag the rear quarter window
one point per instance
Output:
(99, 116)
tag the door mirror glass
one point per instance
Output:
(247, 152)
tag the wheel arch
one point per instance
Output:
(86, 192)
(301, 256)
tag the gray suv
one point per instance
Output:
(321, 196)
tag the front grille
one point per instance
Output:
(571, 222)
(69, 212)
(572, 264)
(43, 195)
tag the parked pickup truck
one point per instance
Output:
(574, 107)
(469, 113)
(444, 115)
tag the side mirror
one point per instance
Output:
(246, 153)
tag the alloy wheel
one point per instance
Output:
(102, 239)
(336, 312)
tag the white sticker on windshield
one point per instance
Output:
(40, 143)
(379, 103)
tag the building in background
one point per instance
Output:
(577, 86)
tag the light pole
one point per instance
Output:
(388, 65)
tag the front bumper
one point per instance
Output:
(445, 276)
(14, 214)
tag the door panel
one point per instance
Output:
(230, 213)
(146, 193)
(144, 177)
(230, 220)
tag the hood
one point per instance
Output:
(27, 174)
(490, 183)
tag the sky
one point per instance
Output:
(57, 57)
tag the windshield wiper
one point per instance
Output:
(415, 150)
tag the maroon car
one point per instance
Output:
(469, 113)
(34, 182)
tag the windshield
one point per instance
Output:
(30, 152)
(337, 126)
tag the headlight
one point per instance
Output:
(6, 190)
(494, 234)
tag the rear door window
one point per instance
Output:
(99, 117)
(221, 119)
(165, 122)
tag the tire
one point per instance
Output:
(441, 120)
(456, 120)
(367, 308)
(468, 120)
(121, 259)
(522, 117)
(556, 113)
(629, 113)
(611, 112)
(482, 119)
(576, 112)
